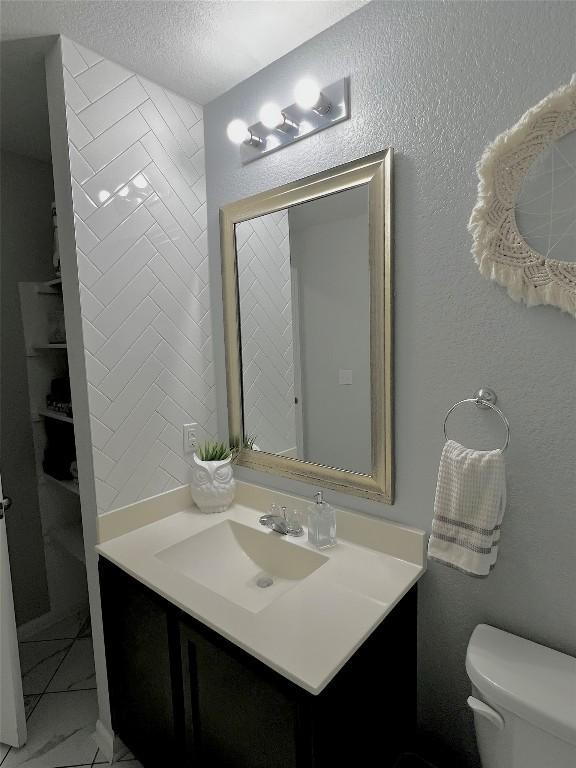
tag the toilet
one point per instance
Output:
(524, 701)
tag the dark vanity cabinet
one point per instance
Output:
(182, 695)
(141, 641)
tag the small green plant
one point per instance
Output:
(218, 451)
(213, 451)
(237, 443)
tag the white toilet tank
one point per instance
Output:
(524, 701)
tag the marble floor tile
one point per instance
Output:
(39, 661)
(66, 629)
(86, 629)
(59, 732)
(76, 672)
(29, 704)
(4, 748)
(125, 762)
(123, 756)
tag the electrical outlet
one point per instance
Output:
(189, 437)
(345, 376)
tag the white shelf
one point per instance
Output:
(50, 346)
(55, 415)
(50, 287)
(69, 485)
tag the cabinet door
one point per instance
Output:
(139, 646)
(238, 713)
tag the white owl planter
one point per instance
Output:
(212, 486)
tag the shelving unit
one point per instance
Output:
(69, 538)
(69, 485)
(59, 500)
(57, 416)
(50, 346)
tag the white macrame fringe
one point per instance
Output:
(520, 290)
(554, 290)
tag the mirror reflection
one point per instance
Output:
(546, 205)
(304, 303)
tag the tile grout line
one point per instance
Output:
(60, 664)
(41, 695)
(165, 127)
(101, 204)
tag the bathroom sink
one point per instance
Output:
(251, 568)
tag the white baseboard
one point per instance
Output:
(105, 739)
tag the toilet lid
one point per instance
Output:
(530, 680)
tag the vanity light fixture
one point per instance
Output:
(313, 110)
(272, 117)
(239, 133)
(309, 96)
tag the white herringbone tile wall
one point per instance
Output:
(138, 187)
(266, 329)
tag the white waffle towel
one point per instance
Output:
(468, 509)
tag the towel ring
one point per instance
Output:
(484, 398)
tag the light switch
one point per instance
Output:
(344, 376)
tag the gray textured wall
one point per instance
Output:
(437, 82)
(27, 194)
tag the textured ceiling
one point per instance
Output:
(198, 49)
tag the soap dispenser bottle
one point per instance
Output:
(321, 524)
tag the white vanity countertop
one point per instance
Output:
(308, 633)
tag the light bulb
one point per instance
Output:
(307, 94)
(271, 115)
(238, 132)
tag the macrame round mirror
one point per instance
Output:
(524, 222)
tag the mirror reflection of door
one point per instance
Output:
(304, 288)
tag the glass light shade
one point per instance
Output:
(271, 115)
(237, 131)
(307, 94)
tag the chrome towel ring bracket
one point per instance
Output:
(483, 398)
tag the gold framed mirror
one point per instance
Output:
(307, 294)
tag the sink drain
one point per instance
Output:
(264, 581)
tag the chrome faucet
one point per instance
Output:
(279, 523)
